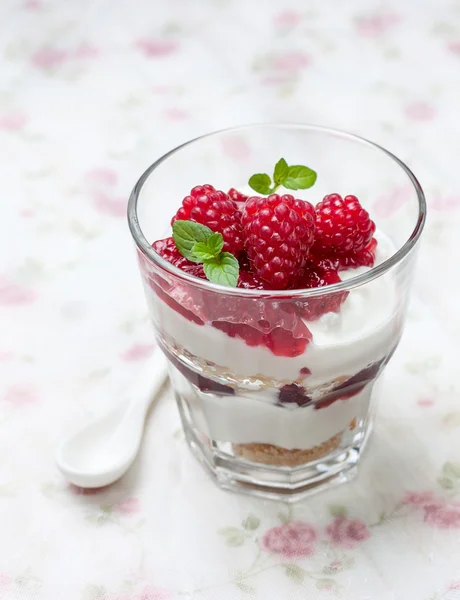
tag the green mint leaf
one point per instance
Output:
(281, 171)
(186, 234)
(223, 269)
(201, 252)
(215, 243)
(261, 183)
(299, 178)
(209, 249)
(294, 177)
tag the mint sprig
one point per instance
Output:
(209, 249)
(294, 177)
(186, 234)
(222, 269)
(200, 244)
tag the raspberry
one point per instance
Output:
(180, 298)
(203, 383)
(237, 197)
(281, 342)
(249, 281)
(365, 258)
(279, 231)
(168, 250)
(217, 211)
(318, 274)
(293, 393)
(353, 386)
(343, 227)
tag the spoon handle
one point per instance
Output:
(150, 382)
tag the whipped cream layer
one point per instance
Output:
(362, 332)
(241, 420)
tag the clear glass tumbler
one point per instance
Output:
(275, 401)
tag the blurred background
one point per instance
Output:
(91, 93)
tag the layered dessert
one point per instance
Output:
(272, 365)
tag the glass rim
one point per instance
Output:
(373, 273)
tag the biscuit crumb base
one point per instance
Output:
(269, 454)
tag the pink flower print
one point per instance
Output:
(27, 213)
(176, 114)
(157, 48)
(336, 565)
(128, 506)
(235, 146)
(290, 61)
(49, 58)
(13, 121)
(85, 50)
(445, 203)
(137, 352)
(21, 395)
(347, 533)
(418, 498)
(420, 111)
(454, 47)
(33, 4)
(442, 515)
(454, 586)
(14, 294)
(288, 18)
(113, 207)
(103, 175)
(5, 581)
(291, 539)
(6, 355)
(425, 402)
(377, 24)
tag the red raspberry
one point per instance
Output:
(352, 386)
(280, 341)
(319, 274)
(292, 393)
(183, 298)
(279, 231)
(365, 258)
(249, 281)
(237, 197)
(217, 211)
(343, 227)
(168, 250)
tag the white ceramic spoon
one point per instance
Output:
(103, 451)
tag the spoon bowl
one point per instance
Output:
(101, 452)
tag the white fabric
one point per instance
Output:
(92, 92)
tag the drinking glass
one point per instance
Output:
(276, 389)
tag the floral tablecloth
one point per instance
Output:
(91, 93)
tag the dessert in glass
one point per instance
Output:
(277, 292)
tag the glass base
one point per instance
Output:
(232, 470)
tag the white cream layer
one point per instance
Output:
(241, 421)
